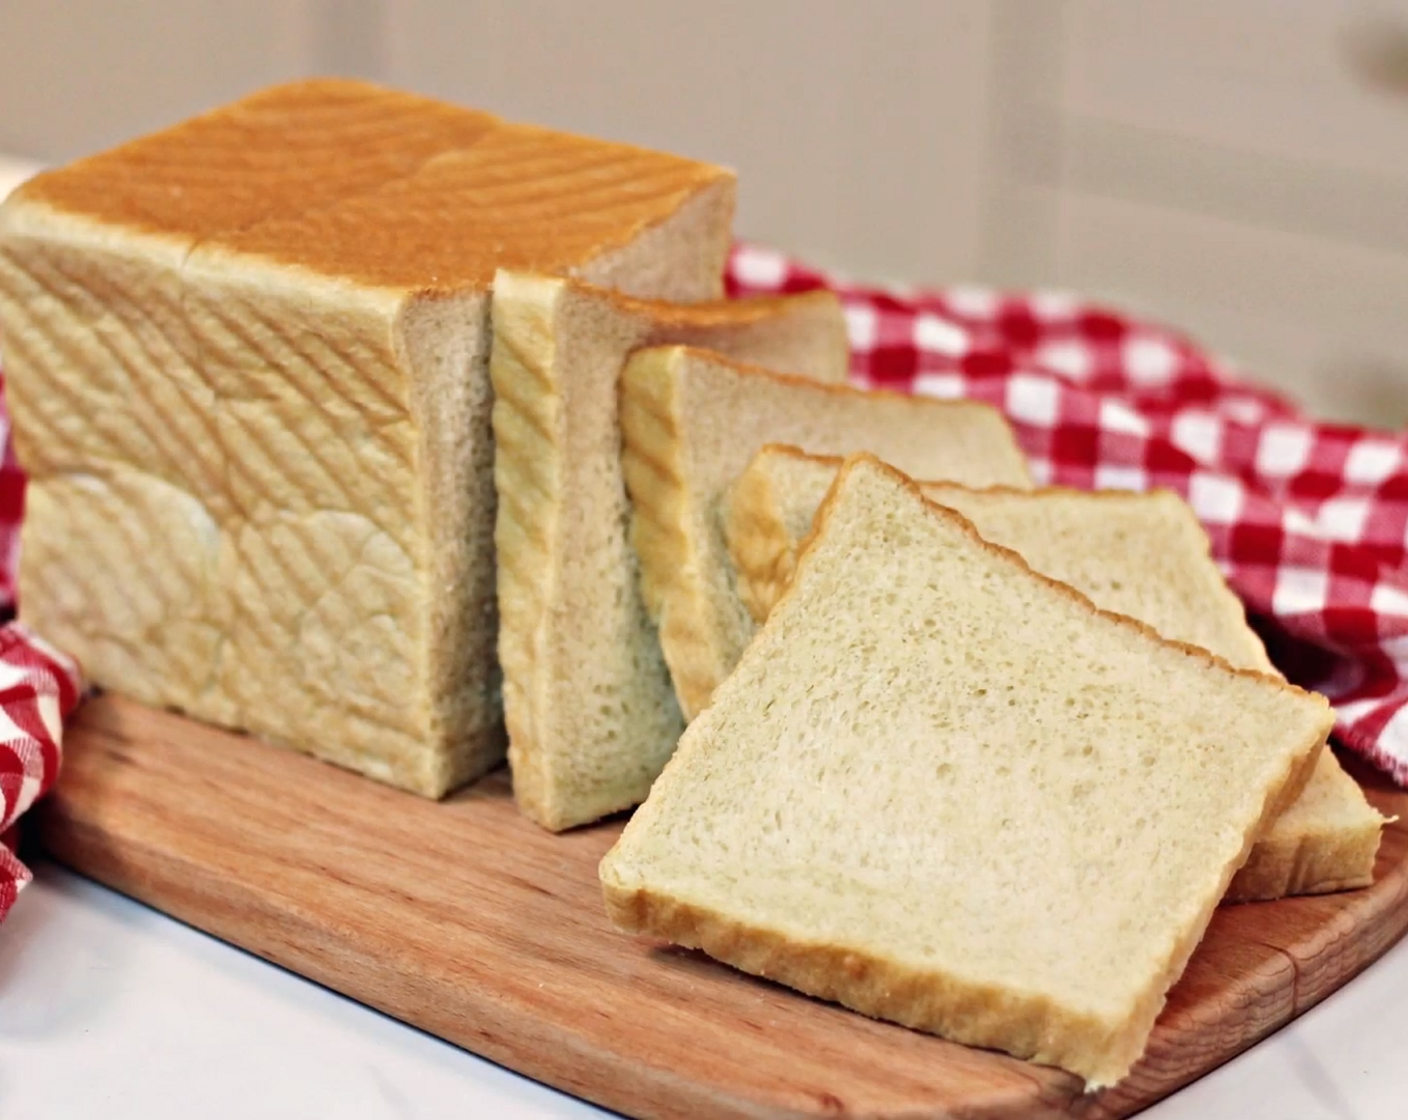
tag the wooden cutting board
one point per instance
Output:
(471, 923)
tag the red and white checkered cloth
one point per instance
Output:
(38, 688)
(1309, 521)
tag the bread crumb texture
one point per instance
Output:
(940, 790)
(591, 713)
(1139, 554)
(691, 422)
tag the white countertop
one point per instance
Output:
(110, 1010)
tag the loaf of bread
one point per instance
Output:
(591, 714)
(938, 789)
(1143, 555)
(692, 421)
(247, 359)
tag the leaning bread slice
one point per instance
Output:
(692, 421)
(591, 714)
(1144, 555)
(942, 790)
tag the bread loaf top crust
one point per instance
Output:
(377, 187)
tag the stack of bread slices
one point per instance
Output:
(408, 437)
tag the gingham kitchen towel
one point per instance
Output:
(1307, 520)
(38, 688)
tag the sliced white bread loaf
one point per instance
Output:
(693, 420)
(590, 710)
(942, 790)
(1143, 555)
(247, 360)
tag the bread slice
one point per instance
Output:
(1143, 555)
(693, 420)
(1324, 840)
(591, 714)
(248, 365)
(939, 789)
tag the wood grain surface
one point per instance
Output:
(470, 922)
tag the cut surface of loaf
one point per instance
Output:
(247, 360)
(1143, 555)
(590, 711)
(691, 422)
(940, 789)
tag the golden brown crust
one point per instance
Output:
(751, 370)
(528, 481)
(377, 187)
(791, 451)
(669, 318)
(1029, 1026)
(651, 460)
(279, 152)
(1153, 1000)
(758, 544)
(464, 213)
(765, 556)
